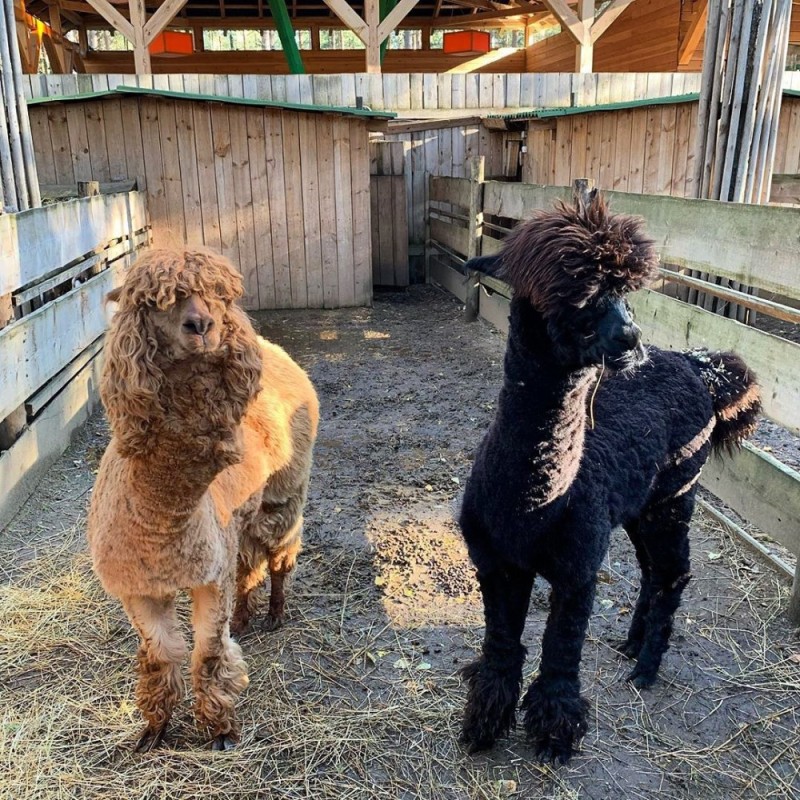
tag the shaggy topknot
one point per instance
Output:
(571, 254)
(162, 277)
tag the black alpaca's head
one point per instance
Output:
(575, 265)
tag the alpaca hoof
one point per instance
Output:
(475, 741)
(273, 621)
(223, 742)
(150, 739)
(640, 679)
(628, 648)
(551, 752)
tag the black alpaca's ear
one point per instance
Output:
(487, 265)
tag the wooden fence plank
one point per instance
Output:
(344, 211)
(39, 242)
(294, 208)
(669, 323)
(273, 134)
(206, 177)
(328, 231)
(453, 236)
(309, 158)
(359, 165)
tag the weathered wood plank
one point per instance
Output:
(328, 230)
(455, 191)
(273, 134)
(669, 323)
(761, 490)
(450, 235)
(41, 241)
(451, 279)
(359, 165)
(344, 211)
(309, 157)
(67, 325)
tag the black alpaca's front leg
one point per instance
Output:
(664, 535)
(555, 713)
(494, 679)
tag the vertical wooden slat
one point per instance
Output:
(190, 187)
(243, 200)
(281, 268)
(62, 151)
(116, 136)
(96, 140)
(327, 210)
(637, 155)
(78, 142)
(294, 208)
(259, 182)
(359, 164)
(621, 165)
(344, 212)
(311, 210)
(154, 171)
(651, 149)
(173, 190)
(577, 163)
(223, 173)
(42, 145)
(206, 176)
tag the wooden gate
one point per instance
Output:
(389, 214)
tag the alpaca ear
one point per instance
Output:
(242, 369)
(131, 380)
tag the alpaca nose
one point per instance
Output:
(629, 336)
(197, 324)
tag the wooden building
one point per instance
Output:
(281, 189)
(395, 36)
(641, 146)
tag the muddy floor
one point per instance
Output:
(359, 695)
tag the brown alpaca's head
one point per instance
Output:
(575, 265)
(176, 309)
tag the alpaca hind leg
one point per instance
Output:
(251, 573)
(555, 713)
(219, 674)
(665, 535)
(495, 678)
(633, 643)
(281, 563)
(162, 649)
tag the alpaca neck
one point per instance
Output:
(547, 402)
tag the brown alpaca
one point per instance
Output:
(203, 485)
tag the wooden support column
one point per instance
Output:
(57, 51)
(584, 28)
(373, 19)
(139, 31)
(386, 6)
(476, 176)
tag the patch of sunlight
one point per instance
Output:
(376, 335)
(329, 336)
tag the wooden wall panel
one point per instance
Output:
(643, 39)
(276, 191)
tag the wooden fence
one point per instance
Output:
(283, 193)
(754, 484)
(389, 207)
(58, 262)
(405, 92)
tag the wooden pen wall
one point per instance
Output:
(283, 194)
(649, 149)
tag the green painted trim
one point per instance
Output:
(385, 8)
(210, 98)
(283, 23)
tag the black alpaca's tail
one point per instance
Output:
(735, 395)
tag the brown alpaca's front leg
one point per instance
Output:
(160, 686)
(219, 674)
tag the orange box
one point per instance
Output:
(466, 43)
(172, 43)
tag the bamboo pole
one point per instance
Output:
(29, 159)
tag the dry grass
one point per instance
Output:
(330, 714)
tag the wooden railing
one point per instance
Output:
(753, 245)
(56, 265)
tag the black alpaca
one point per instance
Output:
(591, 432)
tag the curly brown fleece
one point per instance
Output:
(206, 443)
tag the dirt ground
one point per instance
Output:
(359, 696)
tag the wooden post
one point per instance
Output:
(141, 55)
(476, 175)
(373, 19)
(584, 53)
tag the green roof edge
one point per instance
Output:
(211, 98)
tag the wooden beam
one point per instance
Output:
(476, 19)
(162, 17)
(573, 26)
(395, 17)
(609, 15)
(349, 18)
(113, 17)
(693, 36)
